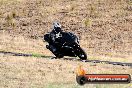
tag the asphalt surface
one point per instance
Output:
(93, 61)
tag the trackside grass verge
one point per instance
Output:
(40, 55)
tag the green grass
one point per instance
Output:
(88, 22)
(40, 55)
(36, 55)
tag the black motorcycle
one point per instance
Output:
(68, 45)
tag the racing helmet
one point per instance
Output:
(57, 27)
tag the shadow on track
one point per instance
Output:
(104, 62)
(23, 54)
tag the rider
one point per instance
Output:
(55, 35)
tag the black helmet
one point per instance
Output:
(57, 27)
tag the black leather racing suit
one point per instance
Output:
(55, 40)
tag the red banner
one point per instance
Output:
(103, 78)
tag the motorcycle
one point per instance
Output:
(68, 45)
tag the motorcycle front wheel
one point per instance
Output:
(81, 53)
